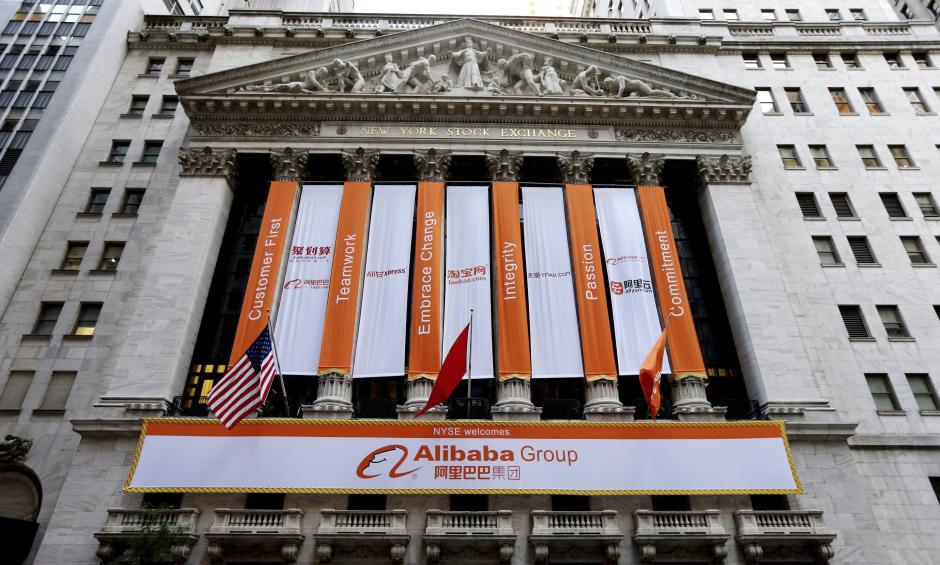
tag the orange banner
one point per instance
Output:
(424, 358)
(336, 353)
(512, 317)
(684, 351)
(265, 267)
(597, 347)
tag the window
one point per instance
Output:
(869, 157)
(917, 101)
(58, 392)
(14, 392)
(469, 503)
(915, 250)
(795, 97)
(132, 200)
(751, 60)
(841, 100)
(834, 15)
(769, 15)
(901, 157)
(922, 60)
(842, 205)
(111, 256)
(48, 316)
(820, 156)
(822, 61)
(808, 205)
(826, 250)
(924, 393)
(779, 61)
(264, 501)
(858, 14)
(97, 200)
(927, 205)
(571, 503)
(706, 15)
(670, 503)
(894, 325)
(118, 151)
(892, 205)
(138, 104)
(861, 250)
(87, 318)
(74, 254)
(790, 159)
(168, 500)
(850, 60)
(775, 502)
(794, 16)
(870, 99)
(184, 66)
(854, 322)
(155, 65)
(882, 393)
(765, 99)
(366, 502)
(168, 105)
(731, 15)
(894, 60)
(151, 151)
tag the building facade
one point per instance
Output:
(799, 152)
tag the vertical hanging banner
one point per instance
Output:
(593, 317)
(342, 303)
(556, 349)
(265, 267)
(383, 317)
(512, 318)
(633, 304)
(302, 306)
(468, 274)
(683, 341)
(424, 357)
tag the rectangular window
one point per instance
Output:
(45, 30)
(891, 318)
(822, 60)
(74, 254)
(769, 15)
(87, 318)
(820, 156)
(118, 151)
(861, 250)
(842, 205)
(870, 99)
(924, 393)
(81, 29)
(858, 14)
(869, 156)
(797, 103)
(751, 60)
(97, 200)
(765, 99)
(882, 393)
(892, 205)
(168, 105)
(132, 200)
(731, 15)
(922, 60)
(834, 15)
(14, 392)
(850, 60)
(915, 250)
(151, 151)
(927, 205)
(808, 205)
(841, 100)
(794, 15)
(779, 61)
(790, 159)
(155, 65)
(901, 157)
(111, 256)
(917, 101)
(826, 250)
(854, 322)
(706, 15)
(893, 59)
(138, 104)
(60, 386)
(48, 316)
(184, 66)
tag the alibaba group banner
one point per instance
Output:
(415, 457)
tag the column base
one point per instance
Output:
(406, 412)
(690, 404)
(513, 401)
(326, 411)
(603, 402)
(419, 390)
(334, 398)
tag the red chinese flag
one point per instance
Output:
(650, 373)
(452, 371)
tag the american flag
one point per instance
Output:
(244, 387)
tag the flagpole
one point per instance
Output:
(277, 361)
(469, 363)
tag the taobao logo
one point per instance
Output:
(379, 462)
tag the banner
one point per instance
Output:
(302, 306)
(633, 304)
(556, 348)
(417, 457)
(593, 317)
(683, 342)
(511, 316)
(424, 358)
(468, 274)
(265, 267)
(383, 317)
(343, 300)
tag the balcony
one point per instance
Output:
(764, 533)
(123, 527)
(595, 533)
(698, 534)
(234, 530)
(341, 530)
(467, 535)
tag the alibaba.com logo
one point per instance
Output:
(384, 460)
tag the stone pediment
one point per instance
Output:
(469, 69)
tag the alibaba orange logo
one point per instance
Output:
(383, 460)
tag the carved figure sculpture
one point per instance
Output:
(443, 85)
(548, 78)
(587, 82)
(309, 85)
(389, 77)
(514, 76)
(500, 82)
(14, 449)
(347, 75)
(466, 65)
(621, 86)
(417, 77)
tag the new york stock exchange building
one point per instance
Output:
(361, 185)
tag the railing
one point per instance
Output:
(762, 30)
(450, 523)
(178, 521)
(469, 409)
(376, 408)
(551, 523)
(655, 523)
(228, 521)
(817, 31)
(362, 522)
(887, 29)
(779, 522)
(561, 409)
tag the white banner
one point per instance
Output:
(632, 291)
(380, 346)
(467, 261)
(553, 316)
(299, 323)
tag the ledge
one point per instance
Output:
(102, 272)
(162, 116)
(132, 116)
(65, 272)
(77, 337)
(930, 412)
(36, 337)
(89, 215)
(115, 164)
(148, 164)
(816, 431)
(148, 75)
(48, 412)
(124, 214)
(894, 441)
(891, 412)
(107, 427)
(901, 339)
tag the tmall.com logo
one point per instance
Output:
(386, 460)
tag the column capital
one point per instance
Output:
(360, 164)
(504, 165)
(207, 162)
(575, 167)
(647, 169)
(724, 169)
(432, 164)
(289, 164)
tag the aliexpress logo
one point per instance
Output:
(381, 461)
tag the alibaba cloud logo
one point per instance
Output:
(384, 460)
